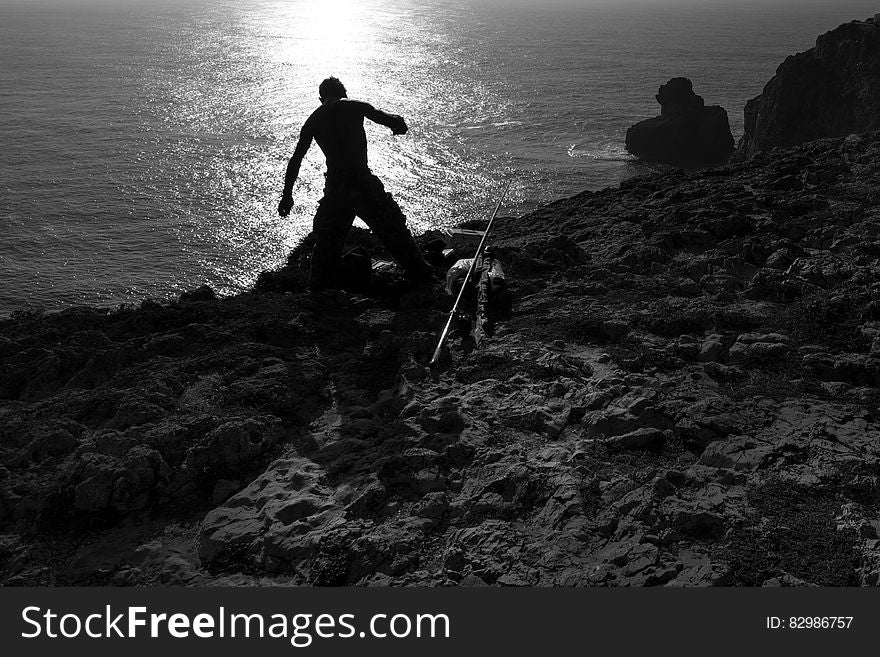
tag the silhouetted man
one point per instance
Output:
(350, 189)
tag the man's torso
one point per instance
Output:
(338, 127)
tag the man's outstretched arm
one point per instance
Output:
(396, 123)
(302, 146)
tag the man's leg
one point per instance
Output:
(331, 224)
(384, 217)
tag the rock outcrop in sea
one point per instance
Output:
(687, 132)
(831, 90)
(686, 395)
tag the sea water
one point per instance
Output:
(143, 144)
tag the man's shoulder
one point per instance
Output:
(356, 105)
(313, 118)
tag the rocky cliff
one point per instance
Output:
(686, 395)
(687, 132)
(831, 90)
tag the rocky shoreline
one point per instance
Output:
(831, 90)
(686, 395)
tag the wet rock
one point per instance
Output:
(203, 293)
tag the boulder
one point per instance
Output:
(641, 439)
(831, 90)
(687, 132)
(757, 348)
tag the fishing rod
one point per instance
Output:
(461, 292)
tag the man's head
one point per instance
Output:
(331, 88)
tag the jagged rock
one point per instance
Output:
(502, 488)
(737, 453)
(121, 484)
(444, 416)
(855, 369)
(159, 561)
(432, 506)
(712, 348)
(223, 489)
(203, 293)
(7, 497)
(755, 348)
(830, 90)
(645, 438)
(709, 420)
(417, 468)
(234, 444)
(786, 580)
(483, 550)
(687, 132)
(49, 442)
(869, 573)
(562, 250)
(277, 386)
(640, 413)
(136, 412)
(285, 510)
(697, 519)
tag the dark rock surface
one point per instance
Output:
(687, 132)
(686, 395)
(831, 90)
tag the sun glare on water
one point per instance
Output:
(323, 37)
(313, 40)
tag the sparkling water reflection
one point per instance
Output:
(145, 143)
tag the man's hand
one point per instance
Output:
(284, 205)
(399, 127)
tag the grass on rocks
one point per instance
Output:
(796, 535)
